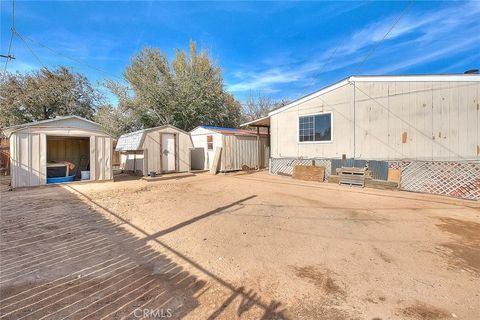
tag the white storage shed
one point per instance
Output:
(161, 149)
(239, 148)
(41, 149)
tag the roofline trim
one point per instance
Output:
(422, 77)
(152, 129)
(313, 95)
(380, 78)
(250, 122)
(12, 129)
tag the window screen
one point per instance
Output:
(210, 142)
(315, 128)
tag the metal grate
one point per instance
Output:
(284, 166)
(455, 179)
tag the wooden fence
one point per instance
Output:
(4, 156)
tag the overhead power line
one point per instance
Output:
(9, 55)
(372, 51)
(78, 61)
(340, 42)
(31, 50)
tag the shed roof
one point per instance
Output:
(9, 130)
(134, 140)
(233, 131)
(130, 141)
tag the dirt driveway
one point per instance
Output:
(245, 246)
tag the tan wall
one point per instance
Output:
(284, 127)
(28, 157)
(152, 150)
(101, 158)
(393, 120)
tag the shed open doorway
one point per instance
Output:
(68, 159)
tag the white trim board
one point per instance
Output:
(400, 78)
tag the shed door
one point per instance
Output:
(168, 152)
(28, 159)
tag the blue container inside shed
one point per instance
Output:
(60, 179)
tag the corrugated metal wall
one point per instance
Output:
(101, 158)
(239, 151)
(28, 156)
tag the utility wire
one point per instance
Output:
(339, 43)
(371, 52)
(78, 61)
(12, 33)
(31, 50)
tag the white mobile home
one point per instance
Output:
(383, 117)
(240, 148)
(59, 150)
(161, 149)
(414, 122)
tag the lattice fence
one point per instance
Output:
(454, 179)
(284, 166)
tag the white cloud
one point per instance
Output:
(419, 38)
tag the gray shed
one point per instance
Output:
(160, 149)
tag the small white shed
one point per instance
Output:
(239, 148)
(160, 149)
(72, 144)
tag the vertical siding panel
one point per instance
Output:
(478, 120)
(24, 152)
(43, 159)
(35, 160)
(93, 158)
(463, 121)
(471, 106)
(13, 161)
(455, 125)
(108, 158)
(100, 157)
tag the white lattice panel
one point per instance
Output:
(284, 166)
(455, 179)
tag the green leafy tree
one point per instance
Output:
(115, 121)
(45, 94)
(186, 93)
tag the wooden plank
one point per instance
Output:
(216, 161)
(309, 173)
(394, 175)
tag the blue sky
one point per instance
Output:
(279, 49)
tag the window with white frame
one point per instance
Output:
(317, 127)
(209, 142)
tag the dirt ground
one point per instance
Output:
(248, 246)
